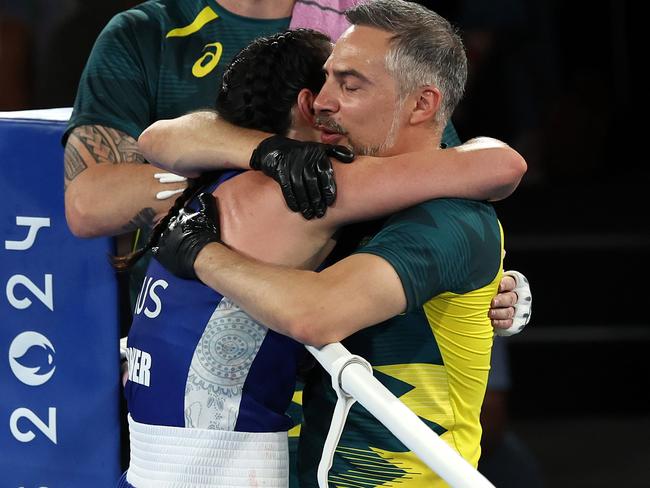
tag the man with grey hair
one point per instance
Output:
(426, 278)
(423, 53)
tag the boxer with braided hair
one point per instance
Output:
(203, 402)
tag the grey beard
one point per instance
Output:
(361, 150)
(388, 143)
(366, 150)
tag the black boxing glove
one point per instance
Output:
(185, 235)
(303, 170)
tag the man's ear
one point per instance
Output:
(426, 104)
(305, 106)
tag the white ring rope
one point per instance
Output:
(352, 380)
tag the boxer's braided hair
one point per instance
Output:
(259, 88)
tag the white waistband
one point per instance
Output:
(176, 457)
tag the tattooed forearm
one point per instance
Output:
(105, 145)
(144, 218)
(74, 164)
(96, 144)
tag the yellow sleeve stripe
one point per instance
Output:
(206, 15)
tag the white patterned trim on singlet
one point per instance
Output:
(220, 365)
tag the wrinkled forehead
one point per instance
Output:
(360, 48)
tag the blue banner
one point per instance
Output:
(59, 379)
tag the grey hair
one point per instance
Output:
(425, 49)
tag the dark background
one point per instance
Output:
(558, 81)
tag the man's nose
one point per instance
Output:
(325, 102)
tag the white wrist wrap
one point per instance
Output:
(522, 307)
